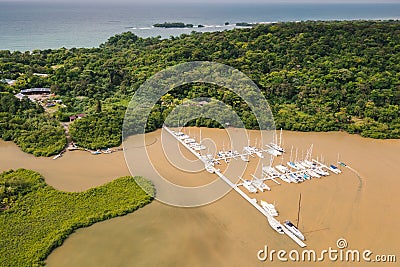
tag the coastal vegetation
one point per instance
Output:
(316, 76)
(25, 123)
(35, 218)
(99, 130)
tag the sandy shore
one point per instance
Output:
(360, 208)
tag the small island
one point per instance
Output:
(173, 25)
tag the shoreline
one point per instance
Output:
(141, 31)
(110, 150)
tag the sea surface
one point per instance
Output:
(28, 26)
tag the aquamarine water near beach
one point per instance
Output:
(27, 25)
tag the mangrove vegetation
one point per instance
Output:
(35, 218)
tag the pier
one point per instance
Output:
(238, 190)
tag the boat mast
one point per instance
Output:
(298, 212)
(291, 152)
(280, 139)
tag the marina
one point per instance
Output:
(327, 206)
(255, 184)
(327, 209)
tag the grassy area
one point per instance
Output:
(35, 218)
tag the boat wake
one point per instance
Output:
(147, 145)
(360, 179)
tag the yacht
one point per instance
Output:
(299, 166)
(294, 178)
(97, 152)
(334, 169)
(306, 176)
(235, 154)
(249, 149)
(313, 174)
(284, 178)
(309, 163)
(275, 225)
(199, 147)
(248, 185)
(259, 184)
(321, 172)
(189, 140)
(304, 164)
(270, 208)
(292, 165)
(209, 168)
(184, 136)
(282, 168)
(244, 158)
(259, 153)
(292, 228)
(276, 147)
(270, 171)
(57, 156)
(272, 151)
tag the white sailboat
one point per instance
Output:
(292, 228)
(259, 184)
(210, 168)
(276, 146)
(282, 168)
(248, 185)
(284, 178)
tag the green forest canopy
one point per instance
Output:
(316, 76)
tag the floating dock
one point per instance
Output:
(239, 191)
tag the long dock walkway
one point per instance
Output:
(240, 192)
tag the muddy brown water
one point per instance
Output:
(359, 206)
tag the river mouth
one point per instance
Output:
(230, 231)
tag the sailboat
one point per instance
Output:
(293, 228)
(276, 146)
(248, 185)
(259, 184)
(244, 157)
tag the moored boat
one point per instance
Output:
(292, 228)
(57, 156)
(270, 208)
(334, 169)
(275, 225)
(248, 185)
